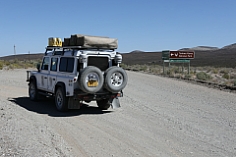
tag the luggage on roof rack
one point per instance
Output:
(54, 41)
(87, 41)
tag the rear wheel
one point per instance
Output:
(33, 91)
(104, 104)
(61, 100)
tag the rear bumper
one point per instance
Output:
(80, 95)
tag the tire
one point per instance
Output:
(103, 104)
(61, 100)
(33, 90)
(94, 73)
(115, 79)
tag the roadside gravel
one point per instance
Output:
(158, 117)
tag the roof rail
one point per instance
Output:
(53, 48)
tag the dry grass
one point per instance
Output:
(222, 76)
(18, 64)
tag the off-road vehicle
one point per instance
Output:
(82, 68)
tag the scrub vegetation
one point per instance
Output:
(221, 76)
(17, 64)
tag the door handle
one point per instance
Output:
(45, 77)
(53, 79)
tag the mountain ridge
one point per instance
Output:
(221, 57)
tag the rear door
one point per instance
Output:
(52, 77)
(66, 73)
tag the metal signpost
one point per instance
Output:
(177, 57)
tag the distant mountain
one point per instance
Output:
(208, 48)
(204, 56)
(136, 51)
(232, 46)
(201, 48)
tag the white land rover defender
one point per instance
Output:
(82, 68)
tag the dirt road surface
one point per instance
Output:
(158, 117)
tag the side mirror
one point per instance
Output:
(38, 67)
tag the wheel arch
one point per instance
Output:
(59, 84)
(33, 78)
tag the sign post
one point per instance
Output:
(177, 57)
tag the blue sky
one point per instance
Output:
(146, 25)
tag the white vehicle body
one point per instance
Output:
(62, 67)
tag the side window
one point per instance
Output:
(45, 63)
(54, 64)
(70, 65)
(66, 64)
(63, 63)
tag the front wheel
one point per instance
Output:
(33, 91)
(104, 104)
(61, 100)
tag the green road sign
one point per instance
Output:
(165, 55)
(179, 61)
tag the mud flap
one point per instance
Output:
(73, 103)
(115, 103)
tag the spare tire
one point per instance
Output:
(115, 79)
(91, 79)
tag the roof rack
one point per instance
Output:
(63, 48)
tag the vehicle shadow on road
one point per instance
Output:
(47, 106)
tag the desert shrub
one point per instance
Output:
(233, 76)
(224, 71)
(139, 67)
(143, 68)
(187, 76)
(155, 70)
(1, 65)
(227, 83)
(208, 70)
(215, 71)
(7, 63)
(235, 82)
(15, 61)
(124, 66)
(170, 72)
(203, 76)
(176, 70)
(11, 66)
(226, 76)
(201, 68)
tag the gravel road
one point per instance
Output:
(158, 117)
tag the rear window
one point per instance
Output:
(66, 64)
(100, 62)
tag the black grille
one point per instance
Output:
(99, 62)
